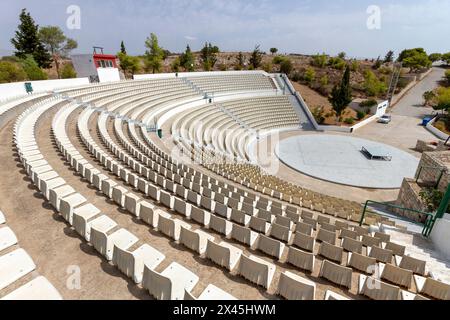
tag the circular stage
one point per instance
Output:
(347, 160)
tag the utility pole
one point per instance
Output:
(397, 68)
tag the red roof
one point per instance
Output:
(104, 56)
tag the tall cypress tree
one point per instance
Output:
(341, 95)
(26, 41)
(122, 48)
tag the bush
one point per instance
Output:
(368, 103)
(278, 59)
(222, 67)
(309, 75)
(317, 113)
(286, 66)
(443, 99)
(432, 198)
(68, 72)
(32, 69)
(349, 121)
(402, 83)
(267, 67)
(320, 60)
(372, 85)
(11, 72)
(324, 81)
(447, 76)
(354, 65)
(337, 63)
(360, 115)
(296, 76)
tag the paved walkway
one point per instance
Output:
(405, 128)
(411, 104)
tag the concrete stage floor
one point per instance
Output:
(339, 159)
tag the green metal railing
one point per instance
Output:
(441, 174)
(427, 225)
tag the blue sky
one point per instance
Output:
(293, 26)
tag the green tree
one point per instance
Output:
(309, 76)
(11, 72)
(32, 69)
(286, 66)
(372, 85)
(414, 59)
(341, 95)
(26, 41)
(122, 48)
(154, 54)
(446, 57)
(187, 59)
(68, 72)
(240, 61)
(256, 58)
(435, 57)
(273, 51)
(342, 55)
(389, 57)
(56, 43)
(130, 65)
(208, 54)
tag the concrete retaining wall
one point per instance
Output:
(14, 89)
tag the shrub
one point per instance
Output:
(385, 70)
(309, 75)
(267, 67)
(32, 69)
(296, 76)
(324, 81)
(354, 65)
(11, 72)
(320, 60)
(222, 67)
(447, 76)
(337, 63)
(278, 59)
(368, 103)
(360, 115)
(432, 198)
(402, 83)
(443, 99)
(349, 121)
(68, 72)
(286, 66)
(372, 85)
(317, 113)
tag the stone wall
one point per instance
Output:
(409, 198)
(432, 164)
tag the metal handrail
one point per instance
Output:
(442, 170)
(427, 225)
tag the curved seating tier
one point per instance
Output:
(222, 211)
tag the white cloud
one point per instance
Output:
(190, 38)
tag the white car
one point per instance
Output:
(386, 118)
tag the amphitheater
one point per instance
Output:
(149, 189)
